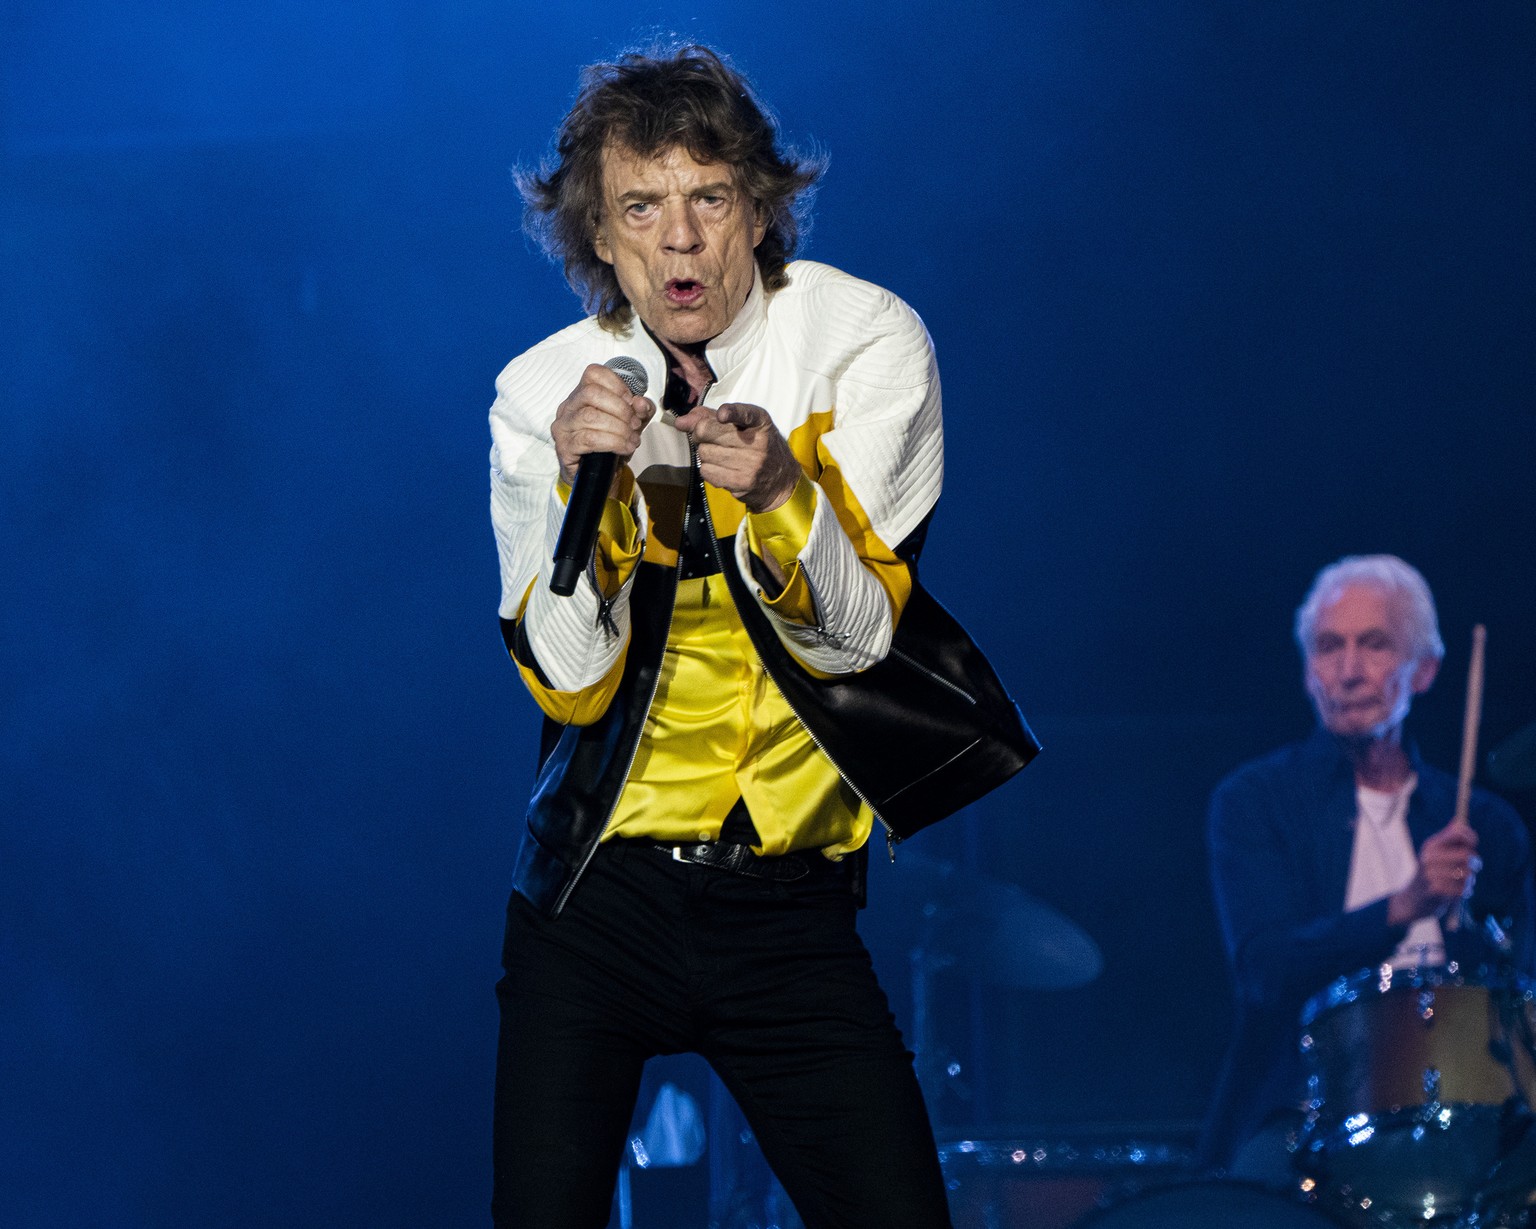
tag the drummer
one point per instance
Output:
(1336, 854)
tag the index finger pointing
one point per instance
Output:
(742, 414)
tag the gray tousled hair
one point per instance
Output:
(1403, 585)
(685, 97)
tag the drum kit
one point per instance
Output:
(1421, 1104)
(1421, 1089)
(1422, 1083)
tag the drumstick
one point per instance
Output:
(1470, 722)
(1469, 725)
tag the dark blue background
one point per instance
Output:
(1220, 292)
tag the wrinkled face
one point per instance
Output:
(1361, 671)
(680, 237)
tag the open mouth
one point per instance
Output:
(684, 290)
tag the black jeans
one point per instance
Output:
(768, 981)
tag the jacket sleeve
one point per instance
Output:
(873, 477)
(1279, 949)
(569, 650)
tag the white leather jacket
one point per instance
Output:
(826, 344)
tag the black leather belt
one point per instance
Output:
(740, 860)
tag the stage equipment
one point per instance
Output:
(1049, 1181)
(952, 920)
(1210, 1205)
(984, 928)
(1421, 1086)
(1512, 764)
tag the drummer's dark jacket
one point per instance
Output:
(1281, 832)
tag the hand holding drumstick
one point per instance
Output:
(1448, 861)
(1448, 866)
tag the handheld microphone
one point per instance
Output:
(584, 510)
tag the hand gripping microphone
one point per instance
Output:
(584, 510)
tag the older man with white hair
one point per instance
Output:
(1337, 853)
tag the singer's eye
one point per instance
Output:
(640, 209)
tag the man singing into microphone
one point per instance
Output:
(694, 858)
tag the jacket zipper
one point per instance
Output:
(891, 839)
(929, 674)
(822, 634)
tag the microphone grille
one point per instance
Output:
(631, 371)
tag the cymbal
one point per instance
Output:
(1512, 764)
(984, 928)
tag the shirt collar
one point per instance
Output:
(741, 336)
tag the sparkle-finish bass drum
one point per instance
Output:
(1421, 1086)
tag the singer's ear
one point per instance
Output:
(600, 243)
(760, 221)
